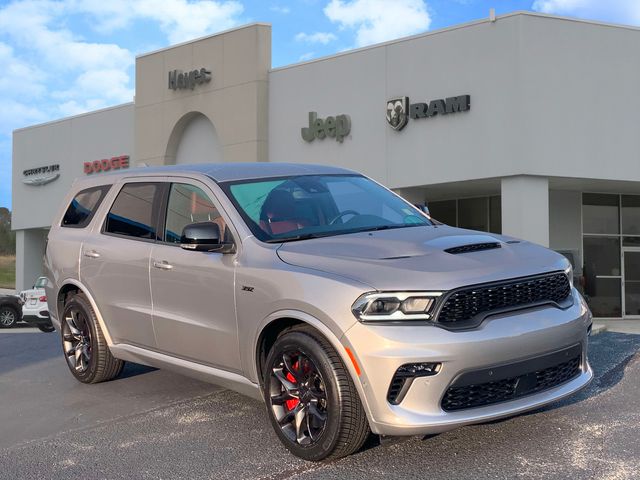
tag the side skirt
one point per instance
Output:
(232, 381)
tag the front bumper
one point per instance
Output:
(501, 340)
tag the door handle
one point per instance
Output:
(163, 265)
(91, 254)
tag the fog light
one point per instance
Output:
(419, 369)
(404, 377)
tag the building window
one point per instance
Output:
(479, 213)
(611, 253)
(445, 212)
(600, 213)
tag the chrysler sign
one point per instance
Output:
(41, 175)
(399, 110)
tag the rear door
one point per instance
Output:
(114, 262)
(193, 292)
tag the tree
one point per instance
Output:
(7, 237)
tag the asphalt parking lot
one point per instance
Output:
(153, 424)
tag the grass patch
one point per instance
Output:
(7, 271)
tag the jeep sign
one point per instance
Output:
(336, 127)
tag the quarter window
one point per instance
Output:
(132, 213)
(83, 206)
(189, 204)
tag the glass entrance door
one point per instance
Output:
(631, 281)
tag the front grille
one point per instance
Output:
(474, 247)
(469, 305)
(488, 393)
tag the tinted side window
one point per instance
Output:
(83, 206)
(133, 213)
(189, 204)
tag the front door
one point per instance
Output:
(193, 292)
(631, 281)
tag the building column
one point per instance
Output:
(525, 208)
(29, 251)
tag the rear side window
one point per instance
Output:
(83, 206)
(134, 212)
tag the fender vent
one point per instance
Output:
(474, 247)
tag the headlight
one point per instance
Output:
(569, 273)
(393, 306)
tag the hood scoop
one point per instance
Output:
(473, 247)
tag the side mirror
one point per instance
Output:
(204, 237)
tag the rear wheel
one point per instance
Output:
(85, 348)
(8, 317)
(311, 400)
(46, 328)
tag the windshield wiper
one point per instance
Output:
(388, 227)
(304, 236)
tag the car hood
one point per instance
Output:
(415, 258)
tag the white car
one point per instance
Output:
(35, 310)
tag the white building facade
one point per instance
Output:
(526, 126)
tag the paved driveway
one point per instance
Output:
(153, 424)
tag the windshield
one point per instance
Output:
(310, 206)
(41, 282)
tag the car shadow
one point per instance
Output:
(133, 370)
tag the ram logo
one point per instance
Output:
(397, 109)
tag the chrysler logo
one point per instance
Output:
(397, 112)
(41, 175)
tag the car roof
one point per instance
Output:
(226, 172)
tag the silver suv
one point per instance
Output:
(342, 306)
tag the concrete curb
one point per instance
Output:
(598, 328)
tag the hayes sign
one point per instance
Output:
(179, 80)
(399, 110)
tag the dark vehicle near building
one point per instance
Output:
(10, 310)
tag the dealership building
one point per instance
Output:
(524, 124)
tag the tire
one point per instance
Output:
(83, 344)
(311, 400)
(8, 317)
(46, 328)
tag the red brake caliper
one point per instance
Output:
(292, 403)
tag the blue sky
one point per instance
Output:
(65, 57)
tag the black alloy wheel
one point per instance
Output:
(8, 317)
(76, 340)
(85, 347)
(298, 397)
(312, 402)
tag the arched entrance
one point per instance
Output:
(194, 140)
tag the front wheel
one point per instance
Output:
(8, 317)
(311, 400)
(46, 328)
